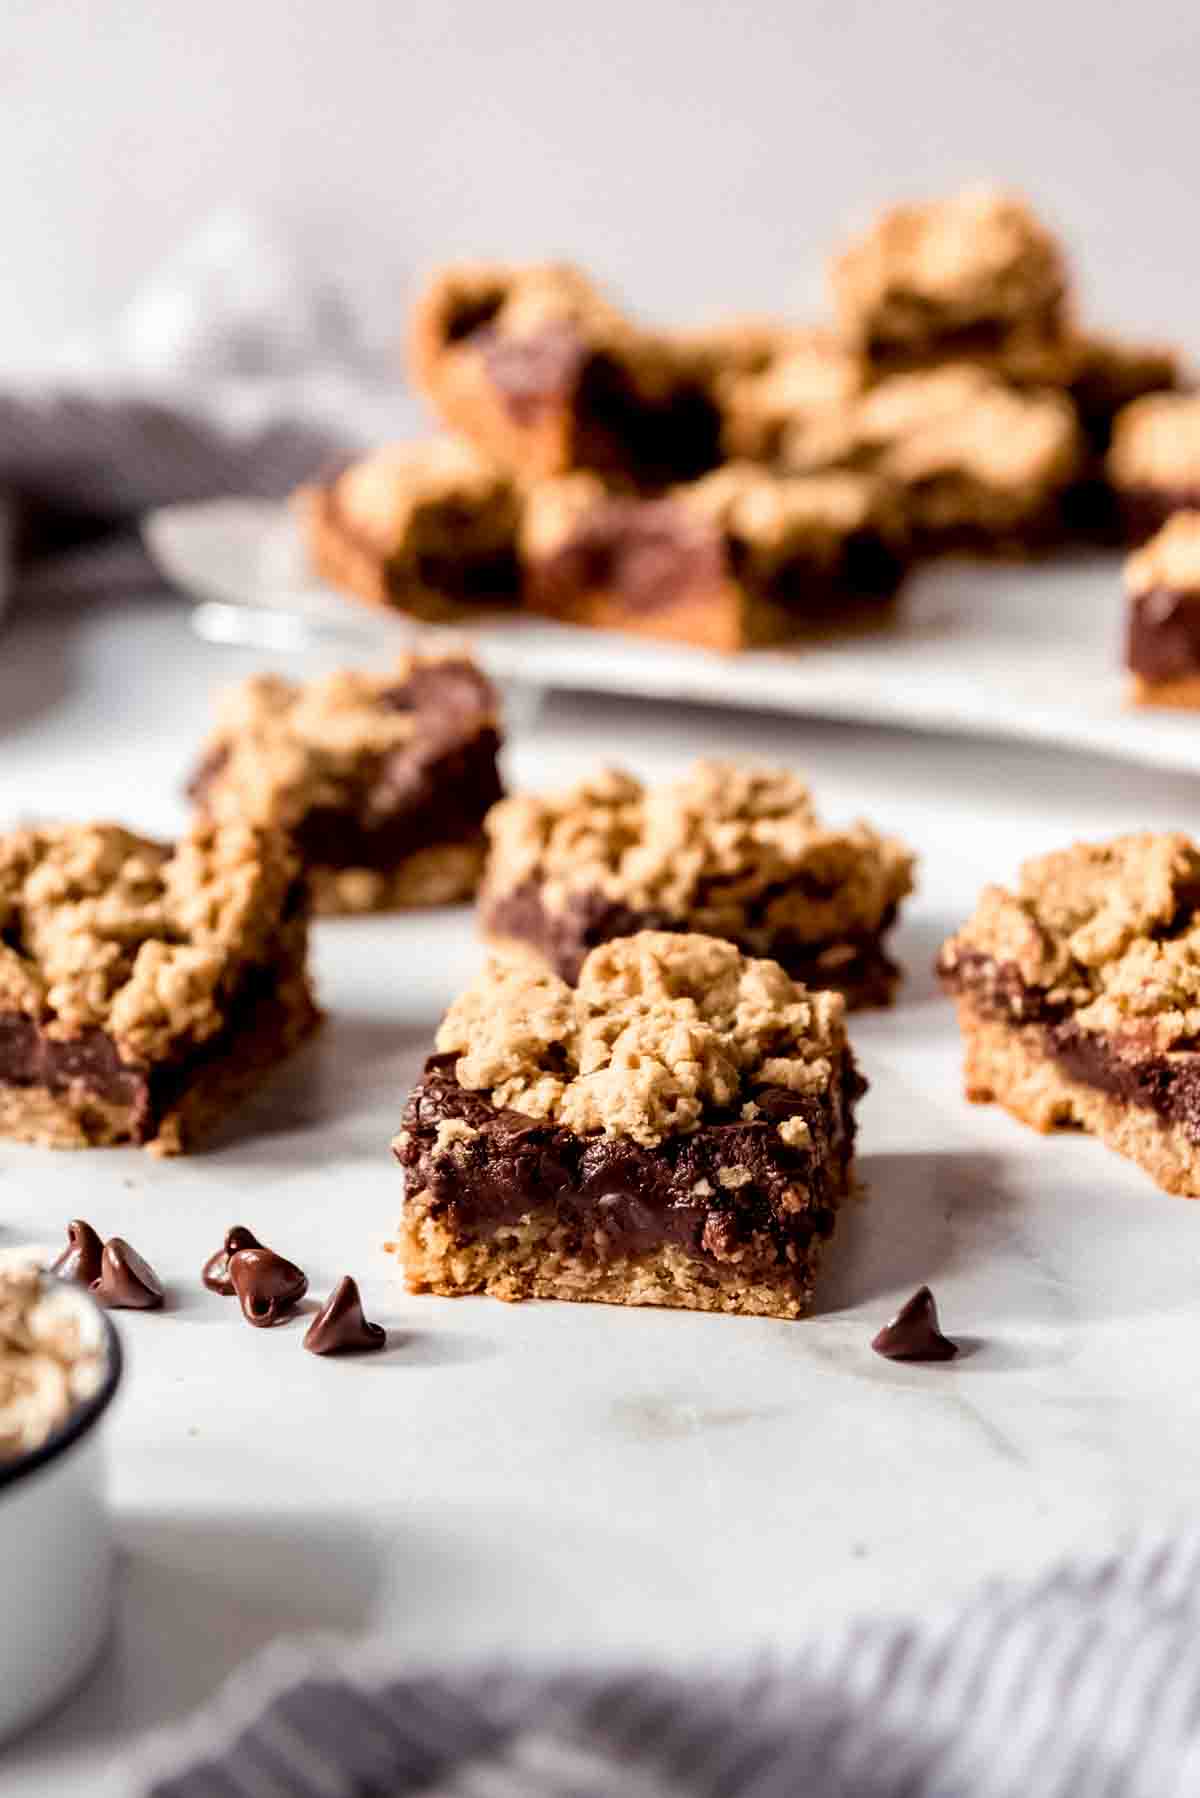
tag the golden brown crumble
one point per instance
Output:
(927, 271)
(806, 385)
(99, 927)
(1156, 442)
(730, 849)
(1171, 559)
(1111, 928)
(283, 748)
(774, 517)
(52, 1357)
(660, 1028)
(961, 447)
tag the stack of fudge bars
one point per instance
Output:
(756, 481)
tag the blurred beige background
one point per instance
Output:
(697, 155)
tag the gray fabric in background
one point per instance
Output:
(1082, 1684)
(238, 370)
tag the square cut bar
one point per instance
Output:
(677, 1130)
(1162, 641)
(144, 988)
(381, 781)
(1079, 999)
(974, 273)
(728, 850)
(975, 465)
(537, 369)
(424, 528)
(1154, 462)
(741, 557)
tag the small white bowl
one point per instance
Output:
(56, 1554)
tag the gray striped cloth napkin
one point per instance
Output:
(1082, 1684)
(239, 369)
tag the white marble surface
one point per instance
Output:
(557, 1480)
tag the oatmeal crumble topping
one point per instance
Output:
(660, 1029)
(730, 847)
(1110, 928)
(1156, 442)
(99, 927)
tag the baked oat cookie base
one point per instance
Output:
(1009, 1066)
(528, 1261)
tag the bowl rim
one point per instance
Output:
(83, 1418)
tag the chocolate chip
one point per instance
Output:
(215, 1272)
(913, 1334)
(126, 1282)
(267, 1286)
(80, 1260)
(340, 1328)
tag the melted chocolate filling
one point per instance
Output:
(614, 1198)
(565, 937)
(1168, 1085)
(1163, 634)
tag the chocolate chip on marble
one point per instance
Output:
(215, 1272)
(914, 1334)
(340, 1328)
(268, 1287)
(80, 1260)
(126, 1282)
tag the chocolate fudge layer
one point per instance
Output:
(143, 988)
(541, 372)
(975, 465)
(1162, 642)
(1079, 998)
(427, 528)
(1154, 462)
(950, 278)
(382, 781)
(739, 558)
(677, 1130)
(728, 850)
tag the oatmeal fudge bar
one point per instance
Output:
(54, 1359)
(144, 988)
(382, 781)
(976, 466)
(538, 369)
(1162, 641)
(426, 528)
(677, 1130)
(974, 273)
(1079, 998)
(1154, 462)
(728, 850)
(741, 557)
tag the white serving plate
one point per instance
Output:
(1016, 650)
(56, 1555)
